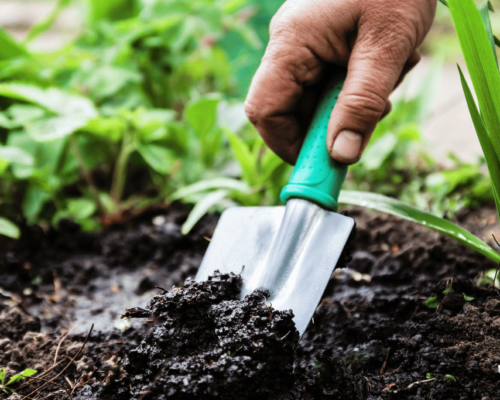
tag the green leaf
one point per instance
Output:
(9, 48)
(108, 80)
(430, 375)
(484, 11)
(19, 377)
(450, 377)
(39, 28)
(52, 99)
(202, 115)
(492, 159)
(406, 211)
(157, 157)
(9, 229)
(210, 184)
(81, 208)
(2, 375)
(47, 129)
(468, 298)
(480, 63)
(22, 113)
(432, 302)
(244, 157)
(202, 207)
(33, 202)
(449, 290)
(15, 155)
(110, 128)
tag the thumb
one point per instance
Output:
(372, 74)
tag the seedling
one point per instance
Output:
(433, 302)
(16, 378)
(432, 376)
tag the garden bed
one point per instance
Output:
(372, 336)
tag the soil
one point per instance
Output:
(372, 336)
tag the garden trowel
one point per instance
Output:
(290, 251)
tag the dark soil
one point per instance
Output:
(372, 337)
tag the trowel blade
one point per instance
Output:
(292, 254)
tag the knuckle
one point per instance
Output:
(365, 106)
(253, 112)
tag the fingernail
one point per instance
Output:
(348, 145)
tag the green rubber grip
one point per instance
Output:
(316, 177)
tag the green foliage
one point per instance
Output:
(467, 298)
(490, 277)
(14, 379)
(432, 302)
(9, 229)
(430, 375)
(133, 95)
(406, 211)
(476, 39)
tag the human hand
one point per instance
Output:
(376, 40)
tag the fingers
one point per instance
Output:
(279, 91)
(373, 73)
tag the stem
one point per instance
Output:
(86, 175)
(120, 171)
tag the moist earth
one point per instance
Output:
(372, 336)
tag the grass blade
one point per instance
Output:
(400, 209)
(9, 48)
(484, 139)
(210, 184)
(202, 207)
(484, 11)
(9, 229)
(480, 63)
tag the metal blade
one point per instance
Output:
(292, 254)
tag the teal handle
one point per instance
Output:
(316, 177)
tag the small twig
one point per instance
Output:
(43, 375)
(416, 383)
(67, 365)
(62, 340)
(396, 370)
(385, 362)
(164, 290)
(69, 381)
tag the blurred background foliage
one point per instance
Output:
(144, 107)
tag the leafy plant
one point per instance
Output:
(14, 379)
(128, 98)
(478, 46)
(430, 375)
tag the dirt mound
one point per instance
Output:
(207, 344)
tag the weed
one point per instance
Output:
(14, 379)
